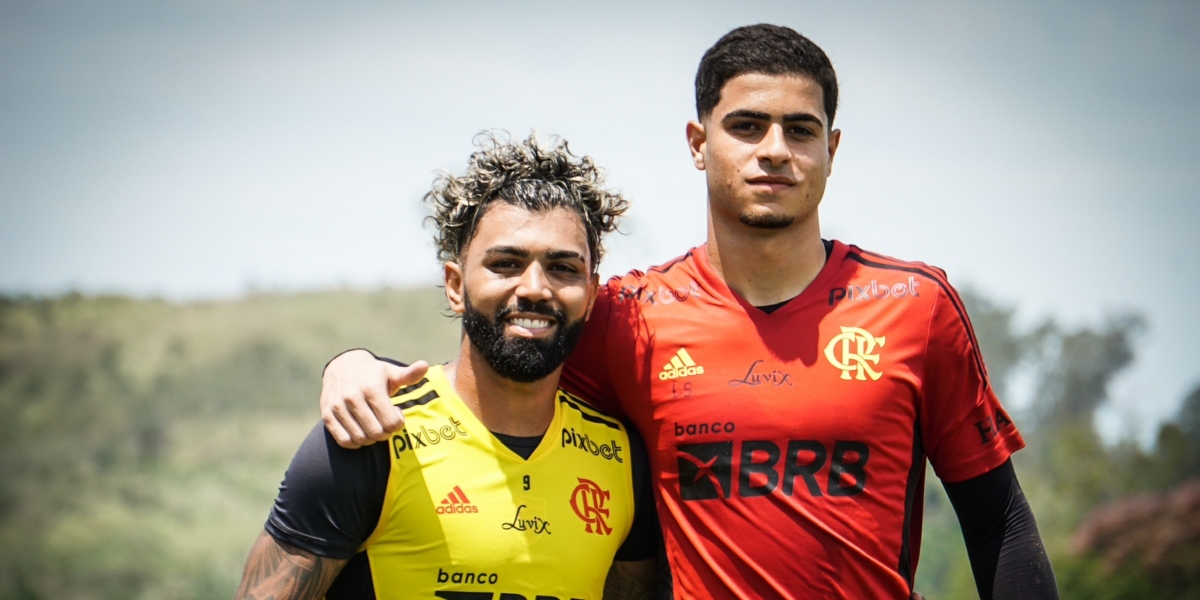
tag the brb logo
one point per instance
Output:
(588, 502)
(706, 471)
(455, 595)
(853, 350)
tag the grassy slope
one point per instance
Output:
(143, 441)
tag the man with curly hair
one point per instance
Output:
(789, 388)
(500, 483)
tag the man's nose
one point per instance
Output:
(773, 148)
(534, 284)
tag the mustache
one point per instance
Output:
(528, 306)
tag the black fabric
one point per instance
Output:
(664, 583)
(644, 535)
(390, 360)
(770, 308)
(354, 582)
(520, 445)
(331, 497)
(383, 358)
(1007, 556)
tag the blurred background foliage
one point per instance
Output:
(142, 441)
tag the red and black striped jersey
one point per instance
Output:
(788, 447)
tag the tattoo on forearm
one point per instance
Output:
(632, 580)
(276, 571)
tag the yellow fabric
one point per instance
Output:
(464, 513)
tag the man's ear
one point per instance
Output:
(453, 274)
(835, 138)
(697, 137)
(593, 292)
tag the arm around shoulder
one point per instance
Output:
(356, 390)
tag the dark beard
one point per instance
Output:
(522, 360)
(767, 221)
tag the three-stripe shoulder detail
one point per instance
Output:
(587, 410)
(404, 398)
(938, 276)
(663, 268)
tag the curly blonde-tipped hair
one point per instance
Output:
(528, 175)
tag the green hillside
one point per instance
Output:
(142, 441)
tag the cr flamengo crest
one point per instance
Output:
(588, 501)
(854, 350)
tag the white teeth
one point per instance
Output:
(531, 323)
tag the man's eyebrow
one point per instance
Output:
(561, 254)
(802, 117)
(743, 113)
(525, 253)
(510, 250)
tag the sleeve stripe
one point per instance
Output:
(408, 389)
(574, 403)
(663, 268)
(912, 491)
(426, 399)
(955, 301)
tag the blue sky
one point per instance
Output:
(1043, 154)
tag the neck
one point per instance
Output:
(766, 266)
(502, 405)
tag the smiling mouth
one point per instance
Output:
(531, 323)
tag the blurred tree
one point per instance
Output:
(1077, 367)
(1156, 533)
(1189, 425)
(1004, 348)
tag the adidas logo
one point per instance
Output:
(681, 365)
(456, 502)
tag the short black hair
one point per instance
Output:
(768, 49)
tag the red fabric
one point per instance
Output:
(788, 457)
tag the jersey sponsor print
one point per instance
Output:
(456, 502)
(681, 365)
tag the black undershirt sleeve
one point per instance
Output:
(331, 498)
(1007, 556)
(644, 535)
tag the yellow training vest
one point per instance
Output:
(465, 518)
